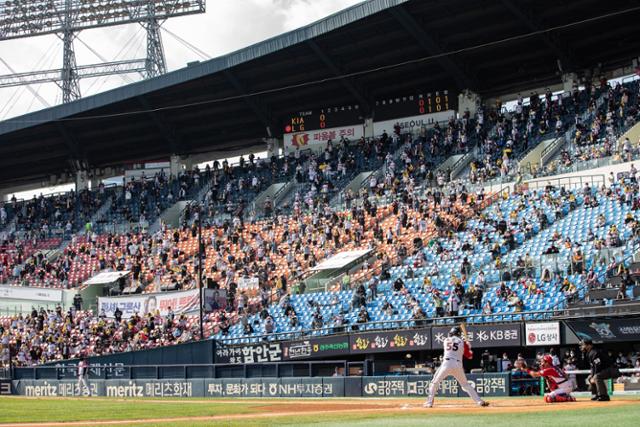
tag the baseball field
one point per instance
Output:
(369, 412)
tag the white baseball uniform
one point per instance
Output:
(455, 348)
(83, 371)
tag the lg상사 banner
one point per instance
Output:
(542, 333)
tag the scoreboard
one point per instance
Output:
(325, 118)
(415, 105)
(385, 109)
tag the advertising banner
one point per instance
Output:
(483, 336)
(485, 385)
(542, 334)
(274, 387)
(111, 388)
(32, 294)
(316, 347)
(249, 353)
(214, 299)
(389, 386)
(248, 283)
(606, 330)
(5, 387)
(180, 302)
(383, 341)
(412, 124)
(317, 139)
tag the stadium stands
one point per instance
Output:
(438, 247)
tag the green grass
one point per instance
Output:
(60, 409)
(605, 417)
(23, 410)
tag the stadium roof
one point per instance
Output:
(489, 46)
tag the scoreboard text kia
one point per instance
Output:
(326, 118)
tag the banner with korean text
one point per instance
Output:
(180, 302)
(485, 384)
(317, 139)
(483, 336)
(542, 333)
(412, 124)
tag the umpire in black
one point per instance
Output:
(602, 368)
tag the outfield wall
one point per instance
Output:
(387, 386)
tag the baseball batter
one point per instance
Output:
(455, 348)
(560, 385)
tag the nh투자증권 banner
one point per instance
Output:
(382, 341)
(318, 139)
(483, 336)
(606, 330)
(179, 302)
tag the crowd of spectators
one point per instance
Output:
(53, 335)
(456, 234)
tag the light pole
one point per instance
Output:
(200, 289)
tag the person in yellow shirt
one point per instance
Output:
(426, 284)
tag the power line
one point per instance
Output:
(102, 58)
(196, 50)
(342, 76)
(18, 93)
(128, 45)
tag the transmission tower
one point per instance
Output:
(66, 18)
(155, 64)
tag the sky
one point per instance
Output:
(227, 25)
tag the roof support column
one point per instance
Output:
(273, 146)
(175, 165)
(468, 101)
(82, 180)
(95, 181)
(568, 81)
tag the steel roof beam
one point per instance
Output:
(336, 70)
(168, 131)
(71, 142)
(261, 111)
(563, 52)
(464, 79)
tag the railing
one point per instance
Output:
(554, 146)
(5, 373)
(408, 323)
(185, 371)
(461, 163)
(121, 227)
(595, 181)
(20, 309)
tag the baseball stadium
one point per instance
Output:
(352, 213)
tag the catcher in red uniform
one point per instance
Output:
(560, 385)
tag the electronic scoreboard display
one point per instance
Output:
(415, 105)
(325, 118)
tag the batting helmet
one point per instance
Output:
(547, 359)
(455, 331)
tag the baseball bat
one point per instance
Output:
(463, 326)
